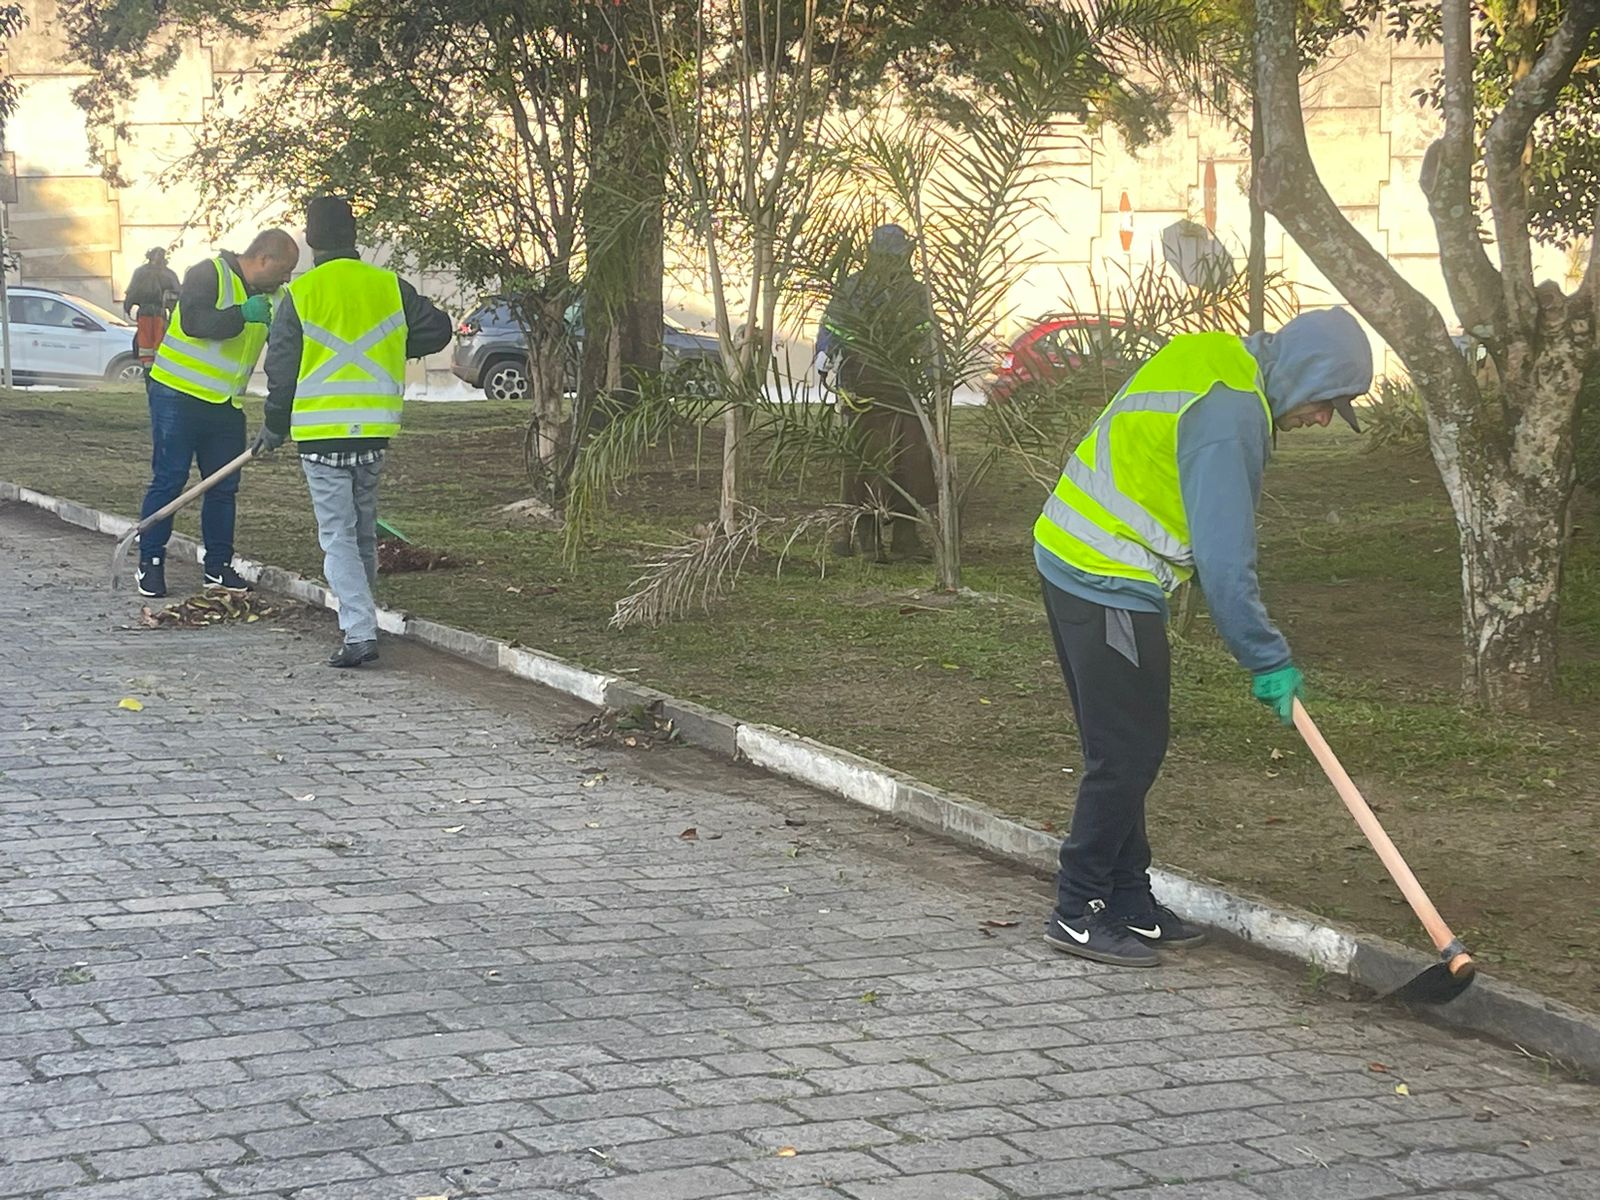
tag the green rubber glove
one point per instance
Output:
(1277, 690)
(257, 310)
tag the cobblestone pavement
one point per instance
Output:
(386, 934)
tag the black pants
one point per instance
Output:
(1123, 714)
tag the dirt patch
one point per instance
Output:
(396, 557)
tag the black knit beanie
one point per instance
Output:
(330, 225)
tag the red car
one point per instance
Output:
(1070, 342)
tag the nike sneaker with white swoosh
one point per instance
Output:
(1096, 934)
(1163, 927)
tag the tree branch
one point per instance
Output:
(1469, 275)
(1292, 191)
(1503, 155)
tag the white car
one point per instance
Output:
(61, 338)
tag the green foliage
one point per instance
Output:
(1395, 420)
(11, 23)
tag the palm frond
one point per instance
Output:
(705, 566)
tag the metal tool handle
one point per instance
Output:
(1443, 940)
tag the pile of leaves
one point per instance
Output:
(637, 728)
(395, 557)
(210, 608)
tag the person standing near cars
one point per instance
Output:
(201, 369)
(1164, 486)
(336, 384)
(151, 296)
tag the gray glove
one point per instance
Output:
(266, 442)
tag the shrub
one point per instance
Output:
(1395, 420)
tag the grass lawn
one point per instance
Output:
(1499, 817)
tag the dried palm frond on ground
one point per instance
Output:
(637, 728)
(395, 556)
(210, 608)
(706, 565)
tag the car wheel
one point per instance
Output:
(506, 380)
(126, 369)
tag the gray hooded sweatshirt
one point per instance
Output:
(1224, 442)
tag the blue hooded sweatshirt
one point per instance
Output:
(1224, 442)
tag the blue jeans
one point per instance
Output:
(184, 430)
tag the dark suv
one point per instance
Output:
(491, 350)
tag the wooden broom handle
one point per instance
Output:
(205, 485)
(1387, 853)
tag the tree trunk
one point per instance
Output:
(947, 527)
(1511, 548)
(1504, 450)
(1257, 262)
(732, 433)
(1510, 489)
(644, 310)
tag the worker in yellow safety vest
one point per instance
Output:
(336, 385)
(201, 368)
(1163, 488)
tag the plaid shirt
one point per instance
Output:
(346, 458)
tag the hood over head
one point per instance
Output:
(1321, 355)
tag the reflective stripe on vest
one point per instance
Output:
(1117, 509)
(353, 352)
(214, 371)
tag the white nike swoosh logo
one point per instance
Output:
(1153, 932)
(1081, 938)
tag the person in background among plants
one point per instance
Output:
(201, 368)
(1164, 486)
(336, 372)
(876, 336)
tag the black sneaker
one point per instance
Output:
(1100, 936)
(353, 654)
(227, 579)
(151, 576)
(1163, 927)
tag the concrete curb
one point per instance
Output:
(1538, 1024)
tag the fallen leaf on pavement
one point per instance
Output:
(454, 828)
(787, 1152)
(690, 834)
(129, 703)
(1277, 755)
(994, 924)
(1378, 1068)
(307, 798)
(594, 779)
(1401, 1089)
(869, 997)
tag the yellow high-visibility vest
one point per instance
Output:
(1118, 508)
(217, 372)
(353, 352)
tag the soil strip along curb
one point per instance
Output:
(1535, 1023)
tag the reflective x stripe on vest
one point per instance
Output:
(353, 352)
(1118, 507)
(215, 371)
